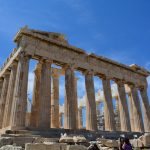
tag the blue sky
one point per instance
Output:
(117, 29)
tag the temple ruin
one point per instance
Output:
(52, 48)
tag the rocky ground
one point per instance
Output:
(67, 142)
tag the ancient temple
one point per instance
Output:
(52, 48)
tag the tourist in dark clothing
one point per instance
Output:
(121, 142)
(127, 145)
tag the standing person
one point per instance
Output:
(121, 142)
(127, 144)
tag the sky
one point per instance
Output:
(116, 29)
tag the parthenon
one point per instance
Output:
(52, 48)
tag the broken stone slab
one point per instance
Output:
(5, 141)
(11, 147)
(79, 139)
(72, 139)
(108, 142)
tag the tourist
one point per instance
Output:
(121, 142)
(127, 145)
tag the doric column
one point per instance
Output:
(98, 114)
(138, 123)
(70, 100)
(61, 120)
(91, 117)
(146, 108)
(1, 85)
(45, 95)
(19, 104)
(3, 96)
(55, 101)
(80, 118)
(108, 106)
(123, 108)
(76, 99)
(118, 128)
(35, 98)
(9, 98)
(131, 106)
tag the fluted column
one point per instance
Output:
(19, 105)
(55, 101)
(117, 112)
(70, 100)
(146, 108)
(108, 106)
(91, 117)
(3, 96)
(60, 120)
(1, 85)
(9, 97)
(45, 95)
(76, 99)
(139, 127)
(98, 114)
(123, 108)
(80, 118)
(131, 106)
(35, 99)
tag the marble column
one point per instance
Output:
(139, 127)
(60, 120)
(145, 108)
(35, 98)
(55, 101)
(19, 104)
(70, 100)
(80, 118)
(91, 116)
(98, 114)
(3, 96)
(9, 97)
(123, 108)
(76, 99)
(1, 85)
(131, 106)
(117, 112)
(108, 106)
(45, 95)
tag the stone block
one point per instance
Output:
(76, 147)
(79, 139)
(35, 147)
(39, 146)
(146, 140)
(111, 143)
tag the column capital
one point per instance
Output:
(131, 85)
(14, 64)
(55, 74)
(69, 66)
(23, 54)
(120, 82)
(141, 88)
(104, 77)
(6, 74)
(88, 72)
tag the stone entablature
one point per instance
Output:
(52, 48)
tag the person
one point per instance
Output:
(127, 144)
(121, 142)
(93, 146)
